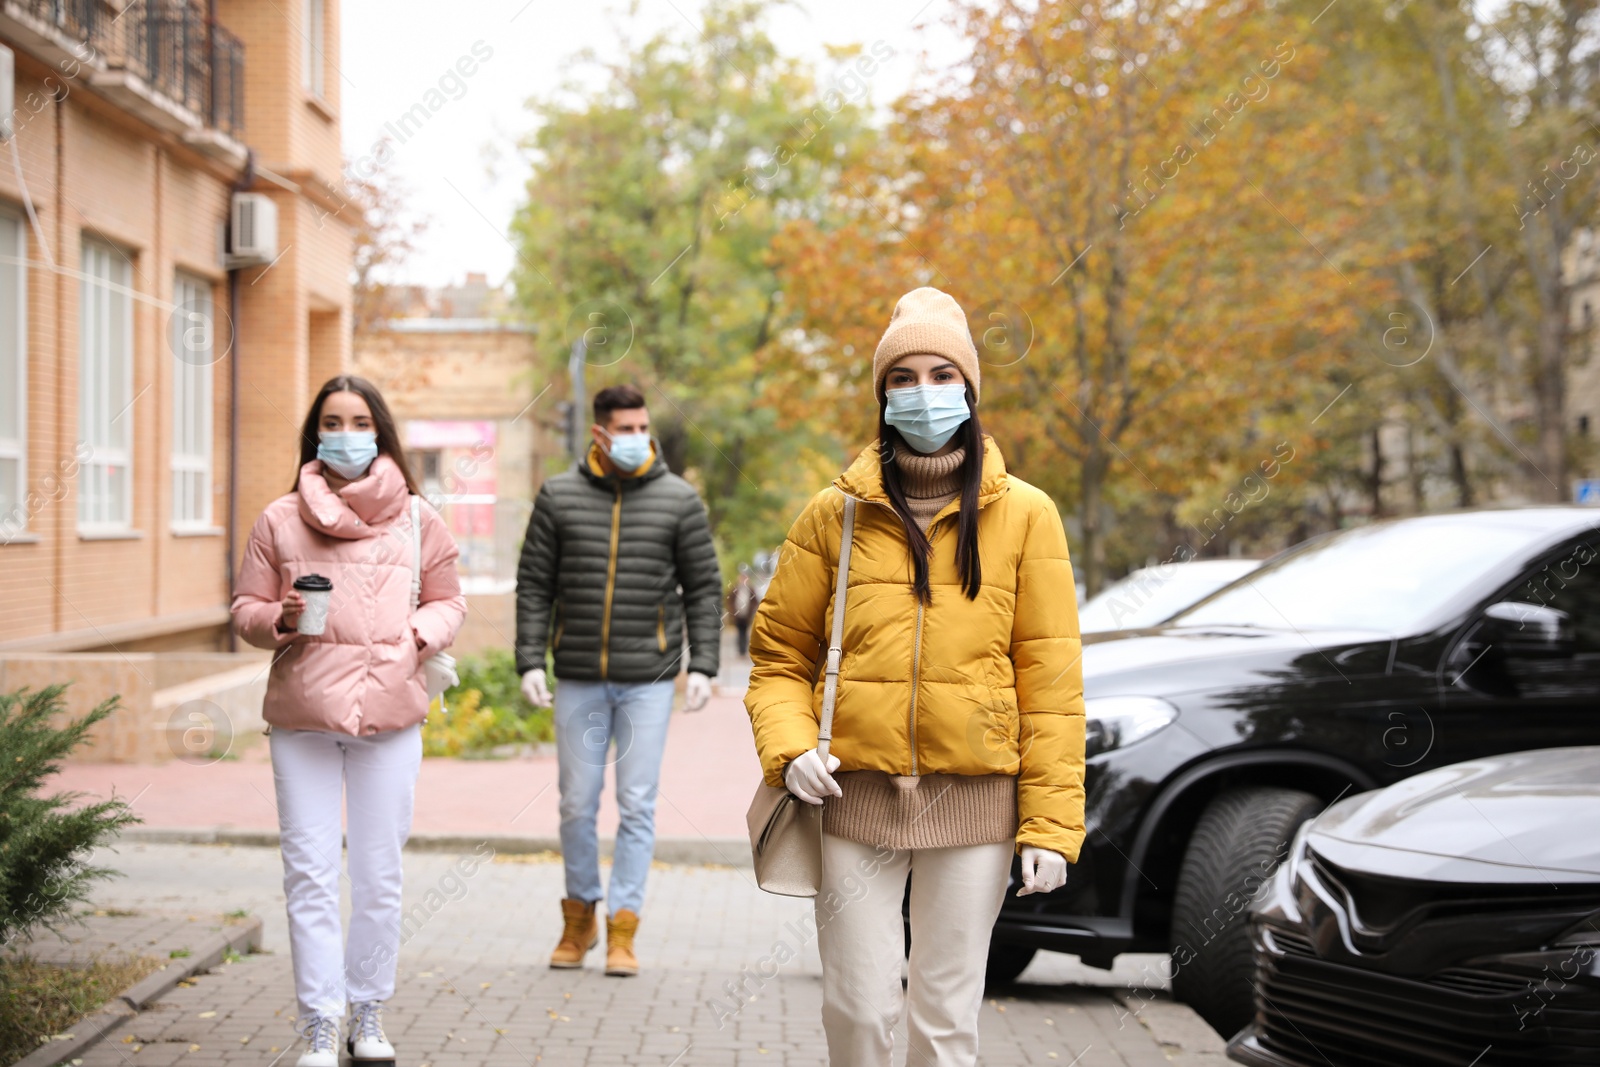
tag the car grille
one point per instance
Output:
(1291, 942)
(1480, 983)
(1313, 1012)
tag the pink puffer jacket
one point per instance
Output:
(363, 674)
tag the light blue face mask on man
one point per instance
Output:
(629, 450)
(348, 453)
(927, 416)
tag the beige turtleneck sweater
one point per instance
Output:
(930, 810)
(930, 482)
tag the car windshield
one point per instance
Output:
(1386, 578)
(1149, 595)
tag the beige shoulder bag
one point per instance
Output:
(785, 831)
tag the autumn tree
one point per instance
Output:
(651, 205)
(384, 235)
(1482, 154)
(1127, 199)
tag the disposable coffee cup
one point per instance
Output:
(317, 590)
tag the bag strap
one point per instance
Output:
(416, 551)
(830, 686)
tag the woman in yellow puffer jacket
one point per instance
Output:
(958, 724)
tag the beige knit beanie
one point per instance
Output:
(926, 321)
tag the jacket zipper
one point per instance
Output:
(661, 627)
(916, 660)
(916, 656)
(611, 582)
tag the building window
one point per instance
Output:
(312, 61)
(105, 388)
(13, 375)
(193, 346)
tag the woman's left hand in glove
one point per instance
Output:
(1043, 871)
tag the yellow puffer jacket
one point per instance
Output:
(986, 686)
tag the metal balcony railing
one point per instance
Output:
(169, 44)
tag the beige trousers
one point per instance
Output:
(955, 896)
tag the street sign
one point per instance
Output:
(1586, 491)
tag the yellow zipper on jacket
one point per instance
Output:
(611, 582)
(916, 647)
(916, 656)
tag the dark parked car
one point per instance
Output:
(1453, 918)
(1342, 665)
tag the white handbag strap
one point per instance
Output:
(830, 685)
(416, 551)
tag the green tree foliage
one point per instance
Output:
(44, 839)
(650, 210)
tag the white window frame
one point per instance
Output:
(193, 346)
(105, 387)
(13, 514)
(313, 55)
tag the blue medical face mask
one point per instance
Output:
(629, 450)
(927, 416)
(348, 453)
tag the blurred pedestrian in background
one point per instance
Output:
(608, 547)
(742, 603)
(958, 734)
(346, 698)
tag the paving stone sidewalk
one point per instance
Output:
(474, 988)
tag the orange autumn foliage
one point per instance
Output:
(1142, 210)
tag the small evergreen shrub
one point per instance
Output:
(44, 841)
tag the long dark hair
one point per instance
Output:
(890, 443)
(383, 422)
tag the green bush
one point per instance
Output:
(44, 842)
(485, 711)
(494, 676)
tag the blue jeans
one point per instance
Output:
(589, 716)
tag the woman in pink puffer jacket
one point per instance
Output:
(345, 706)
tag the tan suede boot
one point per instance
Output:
(620, 929)
(580, 933)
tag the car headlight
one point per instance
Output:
(1117, 722)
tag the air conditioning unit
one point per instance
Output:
(253, 233)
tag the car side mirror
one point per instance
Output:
(1528, 631)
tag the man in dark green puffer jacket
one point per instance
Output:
(617, 563)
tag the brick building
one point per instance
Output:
(135, 122)
(480, 417)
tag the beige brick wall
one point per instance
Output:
(496, 375)
(96, 171)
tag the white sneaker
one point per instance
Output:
(322, 1031)
(366, 1033)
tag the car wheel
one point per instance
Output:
(1006, 963)
(1239, 841)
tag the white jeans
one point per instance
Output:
(376, 777)
(955, 897)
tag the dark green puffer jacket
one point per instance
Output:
(599, 576)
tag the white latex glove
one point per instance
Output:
(809, 780)
(535, 690)
(696, 691)
(1043, 871)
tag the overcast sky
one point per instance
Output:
(461, 165)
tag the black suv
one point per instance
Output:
(1344, 664)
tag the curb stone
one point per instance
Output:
(693, 851)
(131, 1001)
(1183, 1035)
